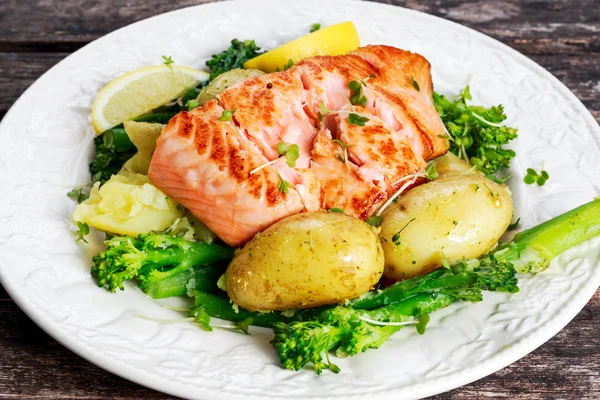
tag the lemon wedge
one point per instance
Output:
(334, 40)
(141, 91)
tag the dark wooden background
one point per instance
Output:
(561, 35)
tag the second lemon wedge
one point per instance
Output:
(332, 41)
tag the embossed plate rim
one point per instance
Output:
(520, 348)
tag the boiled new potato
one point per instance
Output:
(224, 81)
(143, 135)
(453, 217)
(127, 204)
(449, 164)
(304, 261)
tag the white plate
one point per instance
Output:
(46, 148)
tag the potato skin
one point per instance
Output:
(304, 261)
(457, 216)
(450, 165)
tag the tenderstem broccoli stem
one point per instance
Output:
(171, 286)
(533, 249)
(413, 306)
(187, 255)
(205, 279)
(404, 289)
(221, 307)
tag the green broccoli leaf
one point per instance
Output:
(235, 56)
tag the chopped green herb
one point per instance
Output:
(514, 225)
(355, 119)
(290, 152)
(336, 210)
(375, 220)
(202, 318)
(396, 237)
(283, 184)
(529, 179)
(167, 60)
(289, 64)
(245, 324)
(82, 231)
(431, 172)
(357, 97)
(192, 104)
(490, 190)
(344, 147)
(445, 262)
(323, 112)
(78, 195)
(315, 27)
(541, 180)
(422, 324)
(495, 179)
(226, 115)
(415, 84)
(533, 177)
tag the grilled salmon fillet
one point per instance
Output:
(212, 166)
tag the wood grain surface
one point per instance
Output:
(561, 35)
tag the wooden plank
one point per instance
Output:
(19, 70)
(33, 365)
(41, 25)
(542, 27)
(561, 36)
(3, 294)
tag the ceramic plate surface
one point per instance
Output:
(46, 146)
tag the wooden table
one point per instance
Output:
(561, 35)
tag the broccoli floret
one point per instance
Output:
(350, 330)
(160, 262)
(234, 57)
(475, 133)
(113, 149)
